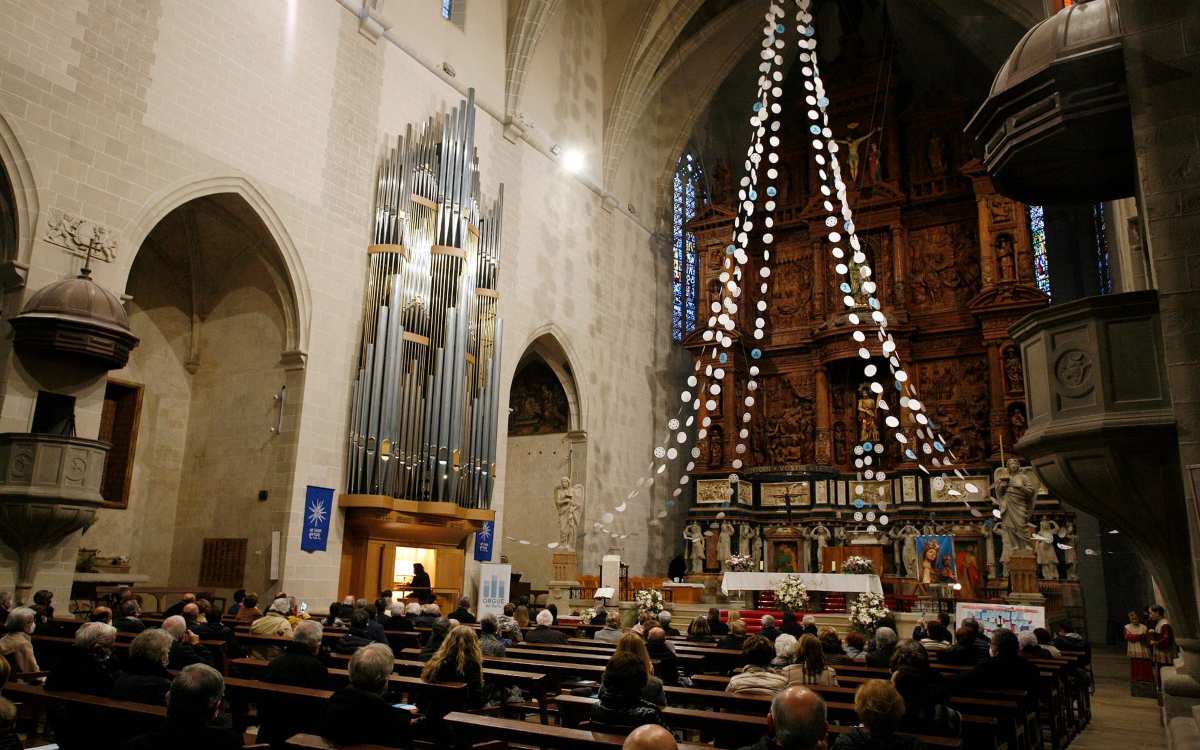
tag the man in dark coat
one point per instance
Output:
(130, 619)
(358, 635)
(186, 648)
(885, 646)
(463, 614)
(397, 618)
(768, 630)
(360, 713)
(86, 667)
(796, 721)
(193, 705)
(667, 668)
(543, 633)
(144, 677)
(1005, 669)
(177, 607)
(298, 666)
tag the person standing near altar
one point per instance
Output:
(1141, 668)
(1162, 639)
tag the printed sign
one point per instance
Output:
(1015, 617)
(493, 588)
(318, 507)
(483, 542)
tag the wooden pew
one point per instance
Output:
(315, 742)
(470, 729)
(49, 649)
(692, 658)
(448, 693)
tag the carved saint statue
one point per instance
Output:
(724, 543)
(911, 560)
(568, 502)
(695, 535)
(1067, 535)
(868, 427)
(1047, 557)
(852, 146)
(1006, 258)
(1014, 380)
(1017, 488)
(821, 536)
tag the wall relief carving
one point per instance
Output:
(945, 266)
(82, 237)
(537, 404)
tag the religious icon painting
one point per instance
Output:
(909, 488)
(937, 562)
(822, 493)
(713, 492)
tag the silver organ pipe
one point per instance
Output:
(424, 402)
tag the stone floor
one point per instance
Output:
(1118, 719)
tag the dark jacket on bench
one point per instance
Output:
(858, 739)
(142, 681)
(185, 738)
(616, 711)
(354, 717)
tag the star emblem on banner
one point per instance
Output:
(316, 512)
(485, 533)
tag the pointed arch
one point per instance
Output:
(23, 193)
(547, 342)
(291, 284)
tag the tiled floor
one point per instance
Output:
(1119, 721)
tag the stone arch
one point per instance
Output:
(288, 274)
(547, 342)
(17, 182)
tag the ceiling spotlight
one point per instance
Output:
(572, 160)
(556, 149)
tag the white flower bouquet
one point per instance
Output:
(649, 601)
(739, 563)
(866, 611)
(588, 614)
(792, 593)
(858, 565)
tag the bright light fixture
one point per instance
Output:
(572, 160)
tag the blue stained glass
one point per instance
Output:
(685, 265)
(447, 9)
(1103, 271)
(1037, 238)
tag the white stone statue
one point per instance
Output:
(804, 564)
(911, 559)
(1068, 537)
(568, 502)
(756, 548)
(694, 534)
(1047, 558)
(897, 549)
(725, 543)
(821, 536)
(1016, 489)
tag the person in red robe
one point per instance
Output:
(1162, 640)
(1137, 647)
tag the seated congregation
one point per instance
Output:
(402, 674)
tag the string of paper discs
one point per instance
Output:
(704, 386)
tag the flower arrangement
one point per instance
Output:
(858, 565)
(866, 611)
(588, 614)
(792, 593)
(649, 601)
(739, 563)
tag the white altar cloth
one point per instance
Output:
(839, 582)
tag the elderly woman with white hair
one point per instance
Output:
(16, 644)
(544, 633)
(275, 621)
(785, 650)
(87, 667)
(360, 713)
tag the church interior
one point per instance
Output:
(773, 374)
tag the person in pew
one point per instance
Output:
(653, 691)
(831, 646)
(194, 704)
(736, 637)
(790, 625)
(88, 666)
(881, 711)
(6, 604)
(923, 713)
(667, 669)
(298, 666)
(437, 634)
(698, 630)
(238, 596)
(809, 625)
(715, 626)
(43, 606)
(429, 614)
(275, 621)
(459, 659)
(963, 651)
(645, 737)
(809, 667)
(144, 677)
(1003, 669)
(543, 633)
(101, 614)
(9, 739)
(463, 613)
(490, 642)
(16, 644)
(357, 636)
(768, 629)
(856, 647)
(611, 632)
(177, 607)
(510, 631)
(396, 619)
(796, 721)
(621, 705)
(937, 637)
(756, 678)
(645, 621)
(1030, 649)
(981, 643)
(334, 618)
(185, 646)
(885, 646)
(1047, 642)
(664, 622)
(360, 713)
(375, 628)
(130, 619)
(249, 611)
(553, 611)
(521, 615)
(785, 650)
(601, 614)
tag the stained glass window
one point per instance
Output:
(685, 263)
(1037, 236)
(447, 9)
(1103, 272)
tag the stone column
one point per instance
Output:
(824, 447)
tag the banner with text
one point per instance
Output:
(1016, 617)
(494, 579)
(318, 507)
(483, 542)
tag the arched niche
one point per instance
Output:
(18, 210)
(212, 298)
(546, 442)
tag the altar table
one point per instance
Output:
(683, 593)
(837, 582)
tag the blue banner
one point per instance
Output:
(483, 542)
(318, 507)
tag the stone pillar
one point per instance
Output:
(824, 447)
